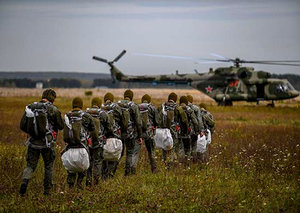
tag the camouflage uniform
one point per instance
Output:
(114, 111)
(208, 123)
(193, 127)
(96, 147)
(148, 132)
(179, 124)
(89, 126)
(38, 147)
(208, 120)
(198, 115)
(133, 134)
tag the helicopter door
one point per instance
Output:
(260, 91)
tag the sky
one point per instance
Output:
(64, 35)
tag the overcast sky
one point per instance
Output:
(63, 35)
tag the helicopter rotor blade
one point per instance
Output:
(170, 56)
(221, 57)
(119, 56)
(270, 63)
(100, 59)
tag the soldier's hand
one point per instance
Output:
(140, 141)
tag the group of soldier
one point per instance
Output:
(132, 123)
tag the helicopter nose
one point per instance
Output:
(294, 93)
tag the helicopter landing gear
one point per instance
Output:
(225, 103)
(271, 104)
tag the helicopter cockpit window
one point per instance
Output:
(283, 87)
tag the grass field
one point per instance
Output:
(254, 163)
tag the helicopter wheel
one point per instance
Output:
(271, 104)
(225, 103)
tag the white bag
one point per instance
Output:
(208, 137)
(112, 149)
(76, 160)
(163, 139)
(201, 144)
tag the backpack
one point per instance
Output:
(147, 128)
(109, 109)
(73, 132)
(208, 120)
(163, 139)
(126, 118)
(37, 125)
(188, 112)
(112, 149)
(168, 112)
(144, 109)
(95, 113)
(128, 129)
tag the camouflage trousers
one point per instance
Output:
(133, 150)
(109, 168)
(32, 159)
(151, 153)
(71, 179)
(95, 169)
(175, 154)
(194, 139)
(186, 142)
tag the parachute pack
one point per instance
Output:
(163, 139)
(109, 109)
(168, 112)
(112, 149)
(148, 130)
(96, 113)
(73, 132)
(188, 112)
(125, 106)
(76, 160)
(168, 117)
(208, 120)
(126, 117)
(144, 109)
(36, 124)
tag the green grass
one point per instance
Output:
(253, 166)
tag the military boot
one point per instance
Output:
(79, 182)
(24, 186)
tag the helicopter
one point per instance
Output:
(225, 84)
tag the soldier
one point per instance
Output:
(208, 118)
(150, 120)
(41, 145)
(209, 124)
(104, 128)
(115, 115)
(87, 125)
(198, 115)
(131, 131)
(193, 126)
(174, 118)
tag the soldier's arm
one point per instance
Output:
(59, 123)
(195, 122)
(183, 119)
(156, 117)
(107, 124)
(23, 122)
(118, 115)
(137, 120)
(199, 118)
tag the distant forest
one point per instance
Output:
(91, 80)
